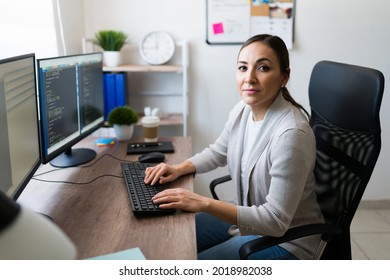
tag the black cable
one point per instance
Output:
(109, 155)
(46, 172)
(78, 183)
(83, 166)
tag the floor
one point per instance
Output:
(370, 231)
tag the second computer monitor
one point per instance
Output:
(70, 106)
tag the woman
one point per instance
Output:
(269, 148)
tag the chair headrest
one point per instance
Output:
(347, 96)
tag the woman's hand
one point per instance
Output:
(181, 199)
(164, 173)
(191, 202)
(161, 173)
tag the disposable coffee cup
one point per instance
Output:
(150, 126)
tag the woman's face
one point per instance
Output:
(259, 77)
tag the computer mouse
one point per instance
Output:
(152, 157)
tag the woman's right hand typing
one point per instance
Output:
(164, 173)
(161, 173)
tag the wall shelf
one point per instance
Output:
(163, 86)
(170, 119)
(144, 68)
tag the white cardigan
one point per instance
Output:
(278, 191)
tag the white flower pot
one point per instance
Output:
(111, 58)
(123, 132)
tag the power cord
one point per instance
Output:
(84, 166)
(78, 183)
(81, 166)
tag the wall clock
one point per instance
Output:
(157, 47)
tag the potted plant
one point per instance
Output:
(111, 41)
(123, 118)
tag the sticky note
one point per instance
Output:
(104, 141)
(218, 28)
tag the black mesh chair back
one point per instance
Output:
(345, 101)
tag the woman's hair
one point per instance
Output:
(279, 47)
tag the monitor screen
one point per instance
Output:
(70, 100)
(19, 141)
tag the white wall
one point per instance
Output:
(27, 30)
(352, 31)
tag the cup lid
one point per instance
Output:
(150, 120)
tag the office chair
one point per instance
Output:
(345, 101)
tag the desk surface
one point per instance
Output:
(97, 216)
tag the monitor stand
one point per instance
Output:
(73, 157)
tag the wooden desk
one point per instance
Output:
(97, 216)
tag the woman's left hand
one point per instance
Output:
(179, 198)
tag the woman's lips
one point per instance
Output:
(250, 91)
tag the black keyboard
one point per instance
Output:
(140, 194)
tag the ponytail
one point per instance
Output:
(286, 94)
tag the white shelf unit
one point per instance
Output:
(163, 86)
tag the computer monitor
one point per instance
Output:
(70, 100)
(19, 141)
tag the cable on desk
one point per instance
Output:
(84, 166)
(46, 172)
(77, 183)
(109, 155)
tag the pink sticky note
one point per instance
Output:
(218, 28)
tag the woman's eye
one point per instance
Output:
(263, 68)
(242, 68)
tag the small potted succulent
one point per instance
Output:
(123, 118)
(111, 41)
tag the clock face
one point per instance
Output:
(157, 48)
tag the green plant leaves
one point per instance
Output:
(110, 40)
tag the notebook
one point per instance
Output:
(130, 254)
(147, 147)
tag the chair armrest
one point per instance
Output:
(327, 231)
(216, 182)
